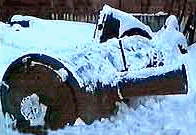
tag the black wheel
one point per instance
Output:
(38, 96)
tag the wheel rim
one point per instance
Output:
(24, 80)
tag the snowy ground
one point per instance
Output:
(165, 115)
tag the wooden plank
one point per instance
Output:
(173, 82)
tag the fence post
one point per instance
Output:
(89, 19)
(64, 16)
(77, 15)
(86, 18)
(158, 21)
(93, 18)
(147, 20)
(152, 19)
(56, 16)
(67, 18)
(162, 20)
(70, 17)
(52, 16)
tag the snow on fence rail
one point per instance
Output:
(155, 21)
(89, 18)
(80, 14)
(71, 14)
(83, 15)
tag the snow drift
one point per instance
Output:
(67, 42)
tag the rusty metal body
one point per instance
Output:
(66, 101)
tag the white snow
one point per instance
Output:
(79, 121)
(160, 13)
(61, 72)
(130, 22)
(88, 60)
(3, 83)
(72, 43)
(32, 110)
(23, 18)
(172, 22)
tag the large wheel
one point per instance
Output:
(38, 91)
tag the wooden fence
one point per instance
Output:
(89, 18)
(154, 21)
(80, 15)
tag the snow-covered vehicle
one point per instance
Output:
(40, 91)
